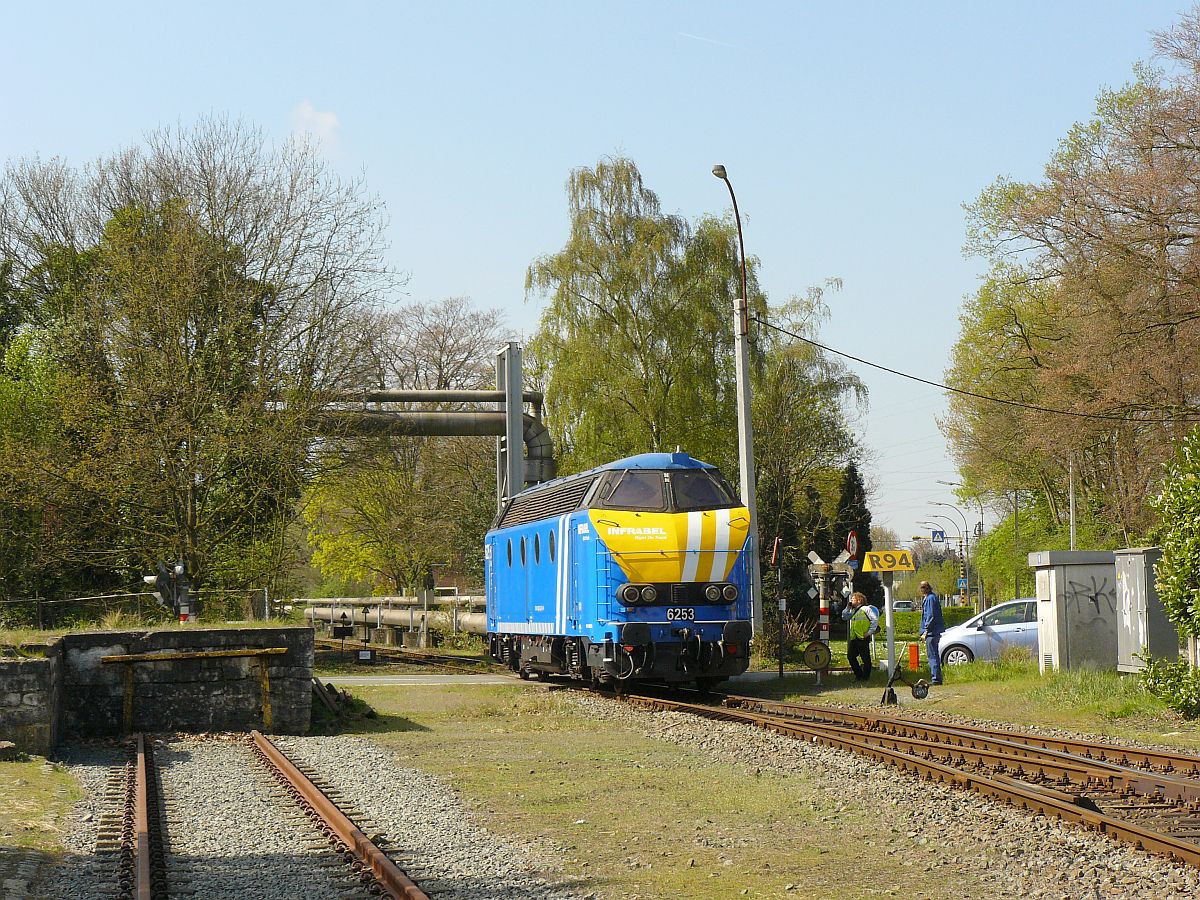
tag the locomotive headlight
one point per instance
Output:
(629, 593)
(712, 593)
(730, 592)
(649, 594)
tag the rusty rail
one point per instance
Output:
(1144, 772)
(1037, 798)
(141, 824)
(386, 872)
(1180, 763)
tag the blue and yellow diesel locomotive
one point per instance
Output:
(633, 570)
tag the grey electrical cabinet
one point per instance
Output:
(1077, 609)
(1142, 624)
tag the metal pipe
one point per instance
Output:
(539, 446)
(397, 395)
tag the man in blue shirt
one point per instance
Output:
(932, 627)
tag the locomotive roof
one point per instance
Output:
(640, 461)
(565, 494)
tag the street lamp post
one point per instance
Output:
(741, 332)
(978, 571)
(966, 543)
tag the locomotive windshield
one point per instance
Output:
(698, 489)
(634, 489)
(651, 490)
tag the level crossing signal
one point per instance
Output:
(171, 587)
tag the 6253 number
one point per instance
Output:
(681, 614)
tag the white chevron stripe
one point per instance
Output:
(565, 551)
(560, 598)
(720, 546)
(691, 559)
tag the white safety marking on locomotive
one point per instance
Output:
(526, 627)
(721, 546)
(560, 589)
(691, 559)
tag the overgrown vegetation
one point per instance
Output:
(1176, 683)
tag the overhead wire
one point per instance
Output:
(953, 390)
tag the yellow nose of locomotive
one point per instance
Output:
(659, 547)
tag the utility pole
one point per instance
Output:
(1016, 542)
(1071, 492)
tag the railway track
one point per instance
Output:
(1149, 799)
(150, 835)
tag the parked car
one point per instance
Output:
(904, 605)
(1011, 624)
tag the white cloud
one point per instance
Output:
(307, 119)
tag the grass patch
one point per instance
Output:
(626, 814)
(34, 797)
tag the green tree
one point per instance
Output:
(634, 347)
(1177, 575)
(1093, 285)
(391, 511)
(801, 398)
(197, 298)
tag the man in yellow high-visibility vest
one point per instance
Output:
(864, 622)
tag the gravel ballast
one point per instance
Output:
(1023, 855)
(232, 833)
(439, 845)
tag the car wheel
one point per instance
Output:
(957, 656)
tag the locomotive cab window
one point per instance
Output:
(510, 553)
(537, 549)
(636, 489)
(522, 550)
(697, 489)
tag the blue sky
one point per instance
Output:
(852, 133)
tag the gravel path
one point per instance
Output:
(1024, 856)
(437, 843)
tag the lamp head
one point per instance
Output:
(719, 171)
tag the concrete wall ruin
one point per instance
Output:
(72, 692)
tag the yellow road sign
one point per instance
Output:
(888, 561)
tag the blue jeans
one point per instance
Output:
(935, 659)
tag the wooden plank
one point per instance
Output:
(193, 654)
(265, 680)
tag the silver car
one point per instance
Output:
(1011, 624)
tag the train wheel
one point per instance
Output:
(524, 673)
(705, 685)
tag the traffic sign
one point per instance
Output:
(889, 561)
(937, 537)
(962, 584)
(852, 544)
(853, 563)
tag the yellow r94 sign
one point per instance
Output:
(889, 561)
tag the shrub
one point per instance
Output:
(1176, 683)
(796, 630)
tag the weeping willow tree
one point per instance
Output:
(635, 346)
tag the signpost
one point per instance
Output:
(937, 537)
(886, 562)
